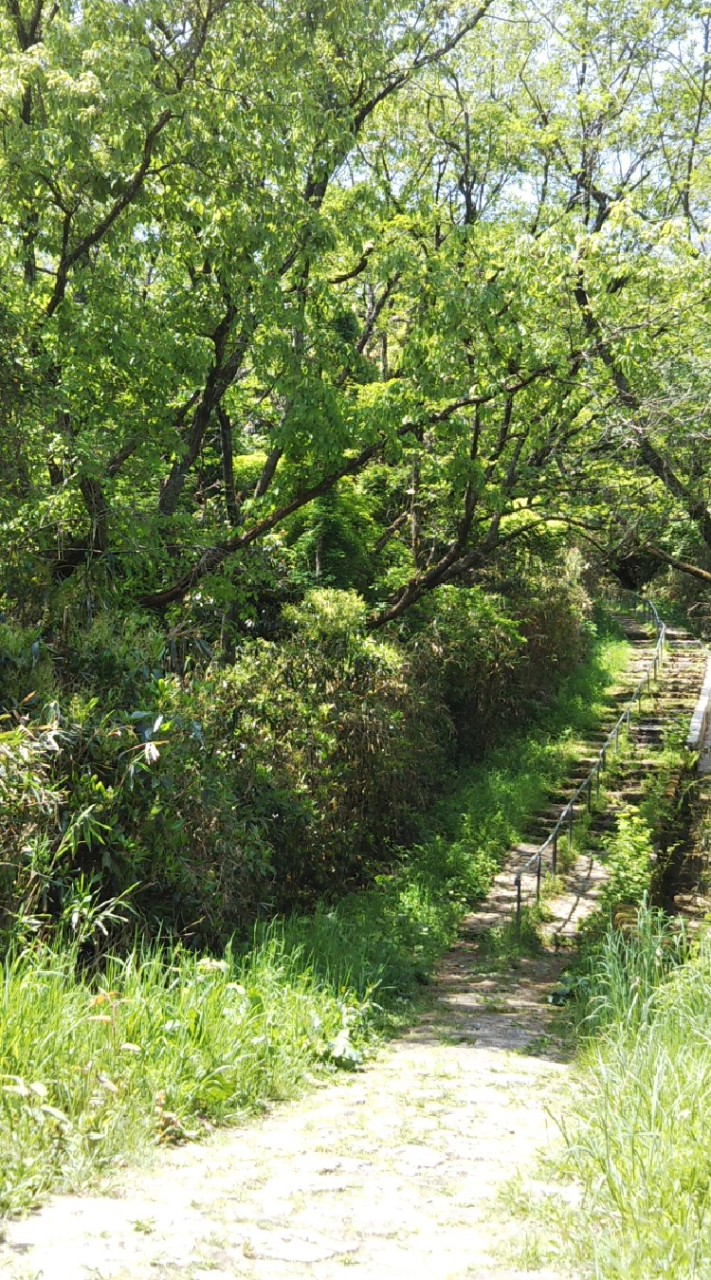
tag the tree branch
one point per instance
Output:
(70, 257)
(682, 565)
(215, 556)
(268, 472)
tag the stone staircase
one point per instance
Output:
(666, 707)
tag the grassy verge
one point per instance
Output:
(638, 1131)
(639, 1137)
(96, 1068)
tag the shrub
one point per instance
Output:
(239, 790)
(495, 659)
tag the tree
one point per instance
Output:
(341, 238)
(627, 123)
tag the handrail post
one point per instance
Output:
(570, 826)
(538, 878)
(554, 857)
(518, 904)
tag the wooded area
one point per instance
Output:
(341, 342)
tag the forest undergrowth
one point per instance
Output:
(262, 779)
(161, 1043)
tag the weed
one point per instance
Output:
(144, 1226)
(640, 1135)
(504, 946)
(538, 1047)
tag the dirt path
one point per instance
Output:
(390, 1173)
(393, 1172)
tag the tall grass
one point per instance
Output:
(618, 982)
(639, 1140)
(162, 1040)
(96, 1067)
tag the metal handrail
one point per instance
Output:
(566, 818)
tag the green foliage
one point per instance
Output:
(497, 659)
(629, 861)
(25, 667)
(331, 540)
(192, 287)
(101, 1059)
(636, 1137)
(249, 347)
(503, 947)
(472, 646)
(639, 851)
(618, 977)
(236, 790)
(161, 1043)
(246, 469)
(328, 619)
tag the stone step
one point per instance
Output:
(664, 702)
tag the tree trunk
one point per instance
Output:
(228, 472)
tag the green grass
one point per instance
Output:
(504, 946)
(98, 1067)
(498, 796)
(639, 1137)
(638, 1134)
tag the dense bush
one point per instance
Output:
(234, 790)
(495, 659)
